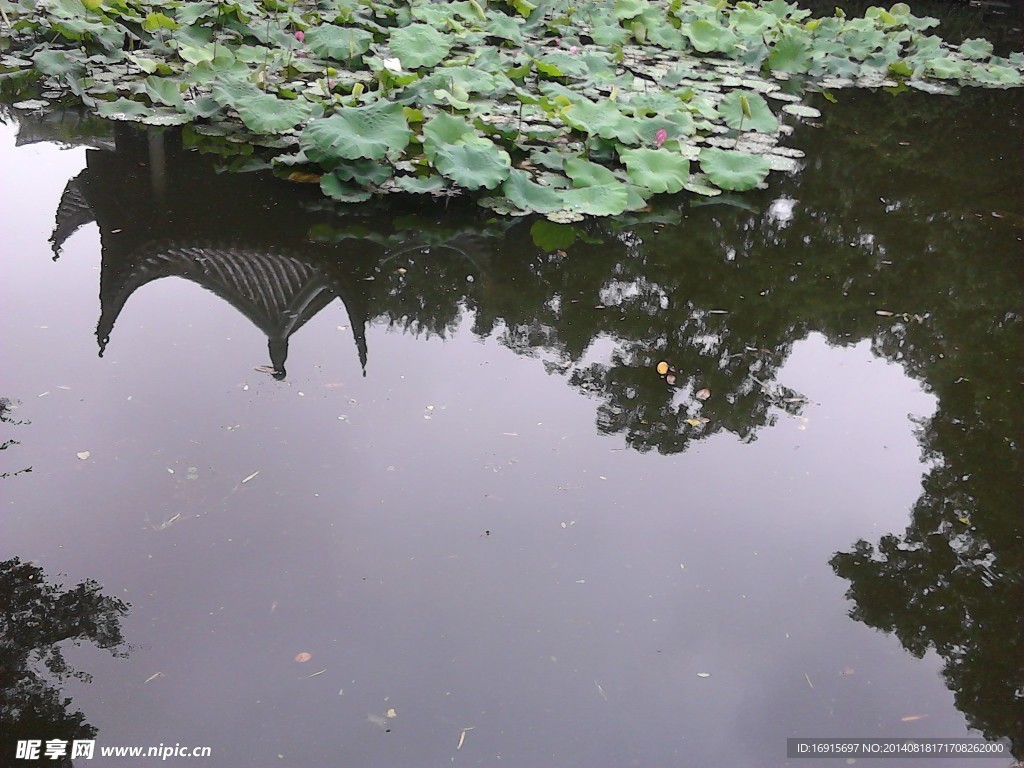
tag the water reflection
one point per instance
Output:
(37, 616)
(880, 239)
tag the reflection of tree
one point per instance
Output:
(35, 617)
(6, 406)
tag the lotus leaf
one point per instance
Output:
(707, 36)
(473, 164)
(791, 52)
(801, 110)
(530, 196)
(587, 174)
(599, 200)
(976, 48)
(261, 112)
(442, 130)
(356, 132)
(341, 43)
(748, 110)
(163, 91)
(419, 45)
(603, 119)
(342, 191)
(735, 171)
(656, 169)
(416, 185)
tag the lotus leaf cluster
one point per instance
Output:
(566, 108)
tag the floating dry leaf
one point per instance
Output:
(703, 674)
(671, 378)
(391, 713)
(912, 718)
(303, 657)
(703, 394)
(884, 313)
(662, 368)
(83, 455)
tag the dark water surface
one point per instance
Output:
(478, 507)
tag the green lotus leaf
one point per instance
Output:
(781, 9)
(341, 43)
(746, 110)
(599, 200)
(707, 36)
(442, 130)
(996, 76)
(473, 164)
(627, 9)
(587, 174)
(656, 169)
(161, 90)
(505, 27)
(51, 61)
(419, 45)
(356, 132)
(420, 186)
(791, 52)
(976, 48)
(530, 196)
(946, 68)
(752, 21)
(363, 172)
(194, 54)
(801, 110)
(609, 34)
(155, 21)
(342, 191)
(125, 109)
(699, 185)
(602, 119)
(261, 112)
(735, 171)
(675, 124)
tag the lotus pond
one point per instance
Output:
(409, 482)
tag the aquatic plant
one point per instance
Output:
(568, 109)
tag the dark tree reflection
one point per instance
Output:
(36, 617)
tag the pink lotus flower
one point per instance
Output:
(660, 137)
(300, 36)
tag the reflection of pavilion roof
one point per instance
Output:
(161, 212)
(73, 211)
(276, 292)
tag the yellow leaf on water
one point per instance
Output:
(694, 422)
(391, 713)
(662, 368)
(304, 178)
